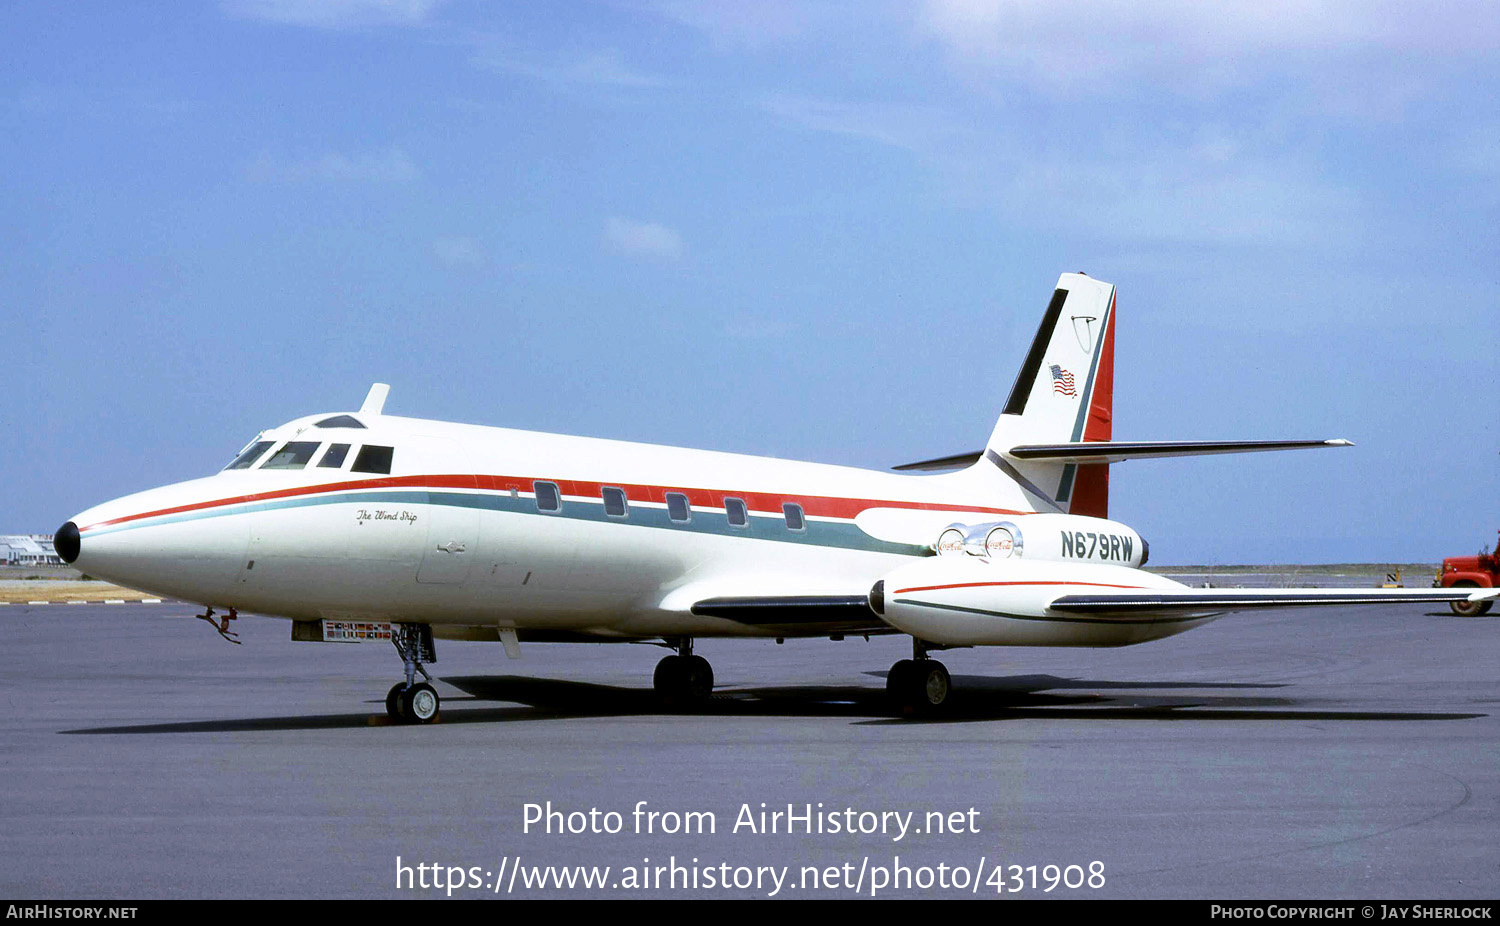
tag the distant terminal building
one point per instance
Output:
(28, 550)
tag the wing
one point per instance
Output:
(798, 615)
(1220, 601)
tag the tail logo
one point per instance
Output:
(1083, 330)
(1062, 381)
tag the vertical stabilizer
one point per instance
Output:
(1063, 393)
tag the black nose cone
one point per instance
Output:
(66, 542)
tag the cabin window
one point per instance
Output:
(339, 421)
(738, 515)
(547, 498)
(292, 455)
(614, 502)
(335, 456)
(677, 507)
(794, 519)
(373, 459)
(250, 454)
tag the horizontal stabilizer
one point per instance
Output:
(1216, 600)
(956, 461)
(799, 614)
(1119, 451)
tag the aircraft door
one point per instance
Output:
(451, 512)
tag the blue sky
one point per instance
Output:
(824, 231)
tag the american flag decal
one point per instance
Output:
(1062, 381)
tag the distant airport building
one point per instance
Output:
(28, 550)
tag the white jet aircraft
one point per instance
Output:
(365, 526)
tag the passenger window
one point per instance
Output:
(735, 509)
(339, 421)
(614, 502)
(250, 454)
(677, 507)
(373, 459)
(334, 458)
(547, 498)
(292, 455)
(794, 519)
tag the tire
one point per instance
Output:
(932, 686)
(393, 701)
(895, 680)
(667, 680)
(698, 679)
(683, 681)
(419, 704)
(1469, 608)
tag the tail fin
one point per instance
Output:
(1064, 393)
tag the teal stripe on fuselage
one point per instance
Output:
(839, 534)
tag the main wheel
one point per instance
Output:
(667, 679)
(896, 684)
(922, 687)
(1469, 608)
(933, 685)
(682, 681)
(419, 703)
(698, 680)
(393, 701)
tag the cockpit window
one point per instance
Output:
(339, 421)
(373, 459)
(334, 458)
(250, 454)
(292, 455)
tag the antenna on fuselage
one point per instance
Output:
(375, 401)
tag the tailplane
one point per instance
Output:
(1054, 438)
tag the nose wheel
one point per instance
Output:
(412, 701)
(417, 704)
(683, 680)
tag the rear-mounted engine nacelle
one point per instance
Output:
(1047, 538)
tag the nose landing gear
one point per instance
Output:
(412, 701)
(683, 680)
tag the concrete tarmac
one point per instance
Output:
(1318, 753)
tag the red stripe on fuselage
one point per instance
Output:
(765, 502)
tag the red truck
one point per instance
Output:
(1482, 571)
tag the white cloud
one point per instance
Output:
(459, 252)
(920, 129)
(335, 14)
(1209, 184)
(603, 68)
(1195, 48)
(762, 23)
(392, 165)
(642, 239)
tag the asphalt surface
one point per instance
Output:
(1330, 753)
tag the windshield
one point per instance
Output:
(250, 454)
(292, 455)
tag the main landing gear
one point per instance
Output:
(683, 680)
(412, 701)
(920, 685)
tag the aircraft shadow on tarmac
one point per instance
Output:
(976, 698)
